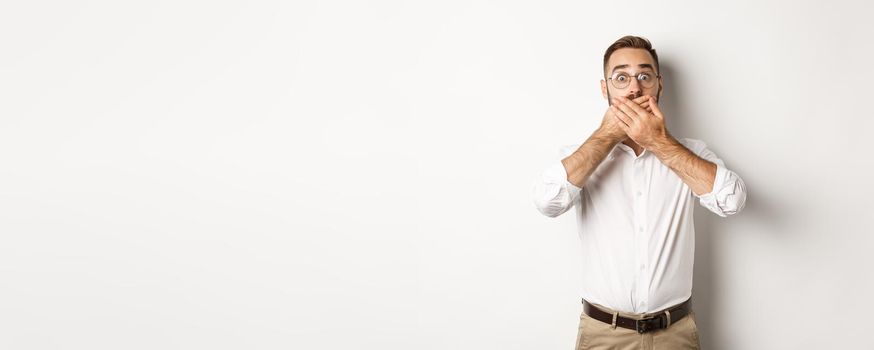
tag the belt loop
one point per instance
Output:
(668, 312)
(614, 319)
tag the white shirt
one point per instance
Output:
(635, 223)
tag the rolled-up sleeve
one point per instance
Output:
(729, 192)
(552, 193)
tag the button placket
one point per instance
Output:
(639, 184)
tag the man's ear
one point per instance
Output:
(604, 88)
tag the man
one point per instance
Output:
(633, 187)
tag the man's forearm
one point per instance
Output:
(583, 162)
(695, 171)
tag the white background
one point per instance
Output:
(327, 175)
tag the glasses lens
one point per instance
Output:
(620, 80)
(646, 79)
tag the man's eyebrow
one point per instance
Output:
(642, 65)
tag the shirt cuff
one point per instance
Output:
(718, 182)
(558, 173)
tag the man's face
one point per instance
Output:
(631, 62)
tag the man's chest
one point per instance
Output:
(625, 181)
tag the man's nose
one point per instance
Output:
(634, 89)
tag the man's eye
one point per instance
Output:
(622, 78)
(644, 77)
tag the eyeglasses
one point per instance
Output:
(620, 80)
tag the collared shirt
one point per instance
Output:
(635, 224)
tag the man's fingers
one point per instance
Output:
(622, 119)
(635, 107)
(643, 101)
(654, 108)
(624, 105)
(620, 108)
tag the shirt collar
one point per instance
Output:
(624, 148)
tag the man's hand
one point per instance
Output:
(610, 125)
(646, 126)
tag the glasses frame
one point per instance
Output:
(613, 82)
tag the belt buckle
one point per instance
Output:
(646, 323)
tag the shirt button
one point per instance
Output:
(642, 267)
(638, 193)
(640, 229)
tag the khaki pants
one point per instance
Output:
(597, 335)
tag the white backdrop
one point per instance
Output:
(344, 174)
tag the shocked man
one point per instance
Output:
(633, 187)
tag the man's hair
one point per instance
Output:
(633, 42)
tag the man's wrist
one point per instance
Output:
(604, 135)
(663, 145)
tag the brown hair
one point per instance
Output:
(634, 42)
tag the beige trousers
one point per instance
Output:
(597, 335)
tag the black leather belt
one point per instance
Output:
(660, 321)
